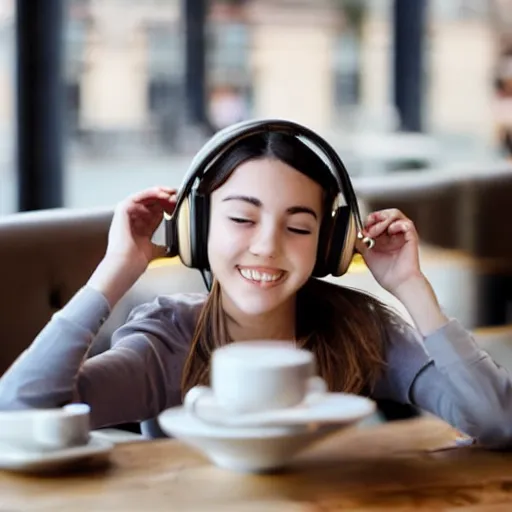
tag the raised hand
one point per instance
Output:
(134, 223)
(394, 259)
(130, 248)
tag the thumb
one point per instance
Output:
(158, 251)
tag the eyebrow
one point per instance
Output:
(256, 202)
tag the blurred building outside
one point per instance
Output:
(324, 63)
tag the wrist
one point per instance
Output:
(419, 298)
(413, 284)
(113, 277)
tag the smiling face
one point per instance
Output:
(262, 245)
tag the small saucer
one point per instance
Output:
(317, 408)
(15, 458)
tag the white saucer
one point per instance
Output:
(337, 408)
(17, 459)
(247, 449)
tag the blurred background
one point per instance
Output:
(101, 98)
(144, 82)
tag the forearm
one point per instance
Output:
(419, 299)
(465, 387)
(44, 375)
(113, 278)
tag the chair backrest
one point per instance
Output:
(46, 256)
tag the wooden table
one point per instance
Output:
(396, 466)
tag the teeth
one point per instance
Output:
(254, 275)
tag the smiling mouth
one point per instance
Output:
(261, 278)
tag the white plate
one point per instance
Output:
(247, 449)
(338, 408)
(17, 459)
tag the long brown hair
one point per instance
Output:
(344, 328)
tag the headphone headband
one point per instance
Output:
(223, 140)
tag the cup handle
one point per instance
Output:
(193, 397)
(317, 385)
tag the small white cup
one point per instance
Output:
(259, 376)
(46, 429)
(69, 428)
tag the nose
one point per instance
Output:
(266, 241)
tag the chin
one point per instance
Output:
(256, 306)
(252, 301)
(260, 303)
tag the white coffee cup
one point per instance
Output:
(46, 429)
(258, 376)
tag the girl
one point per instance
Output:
(270, 196)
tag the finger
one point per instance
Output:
(381, 215)
(402, 227)
(144, 221)
(157, 205)
(390, 212)
(384, 219)
(135, 210)
(379, 228)
(170, 190)
(152, 194)
(166, 205)
(372, 219)
(397, 227)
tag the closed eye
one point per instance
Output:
(241, 220)
(300, 231)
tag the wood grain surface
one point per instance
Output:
(403, 465)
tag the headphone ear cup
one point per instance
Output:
(199, 220)
(183, 233)
(186, 233)
(171, 236)
(342, 253)
(336, 244)
(321, 268)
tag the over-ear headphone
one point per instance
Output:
(187, 228)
